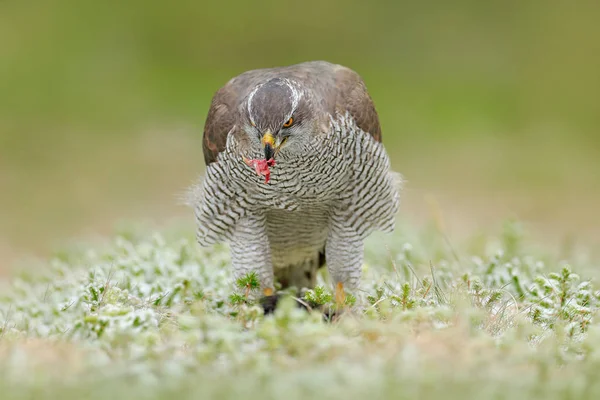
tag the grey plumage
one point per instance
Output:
(331, 185)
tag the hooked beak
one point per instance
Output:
(268, 142)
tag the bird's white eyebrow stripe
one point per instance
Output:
(250, 97)
(296, 94)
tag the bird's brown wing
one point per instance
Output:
(219, 122)
(354, 97)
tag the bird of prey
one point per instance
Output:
(296, 176)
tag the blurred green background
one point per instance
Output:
(489, 109)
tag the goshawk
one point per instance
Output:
(296, 175)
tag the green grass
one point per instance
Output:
(153, 316)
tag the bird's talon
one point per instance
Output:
(333, 313)
(269, 303)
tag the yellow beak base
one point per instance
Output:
(268, 139)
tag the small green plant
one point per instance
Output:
(405, 299)
(563, 298)
(248, 283)
(350, 299)
(377, 296)
(237, 299)
(317, 297)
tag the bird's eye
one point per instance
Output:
(288, 123)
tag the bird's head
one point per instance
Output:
(278, 115)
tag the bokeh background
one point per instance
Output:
(491, 110)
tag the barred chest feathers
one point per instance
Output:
(345, 176)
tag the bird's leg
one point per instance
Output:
(251, 252)
(344, 252)
(340, 294)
